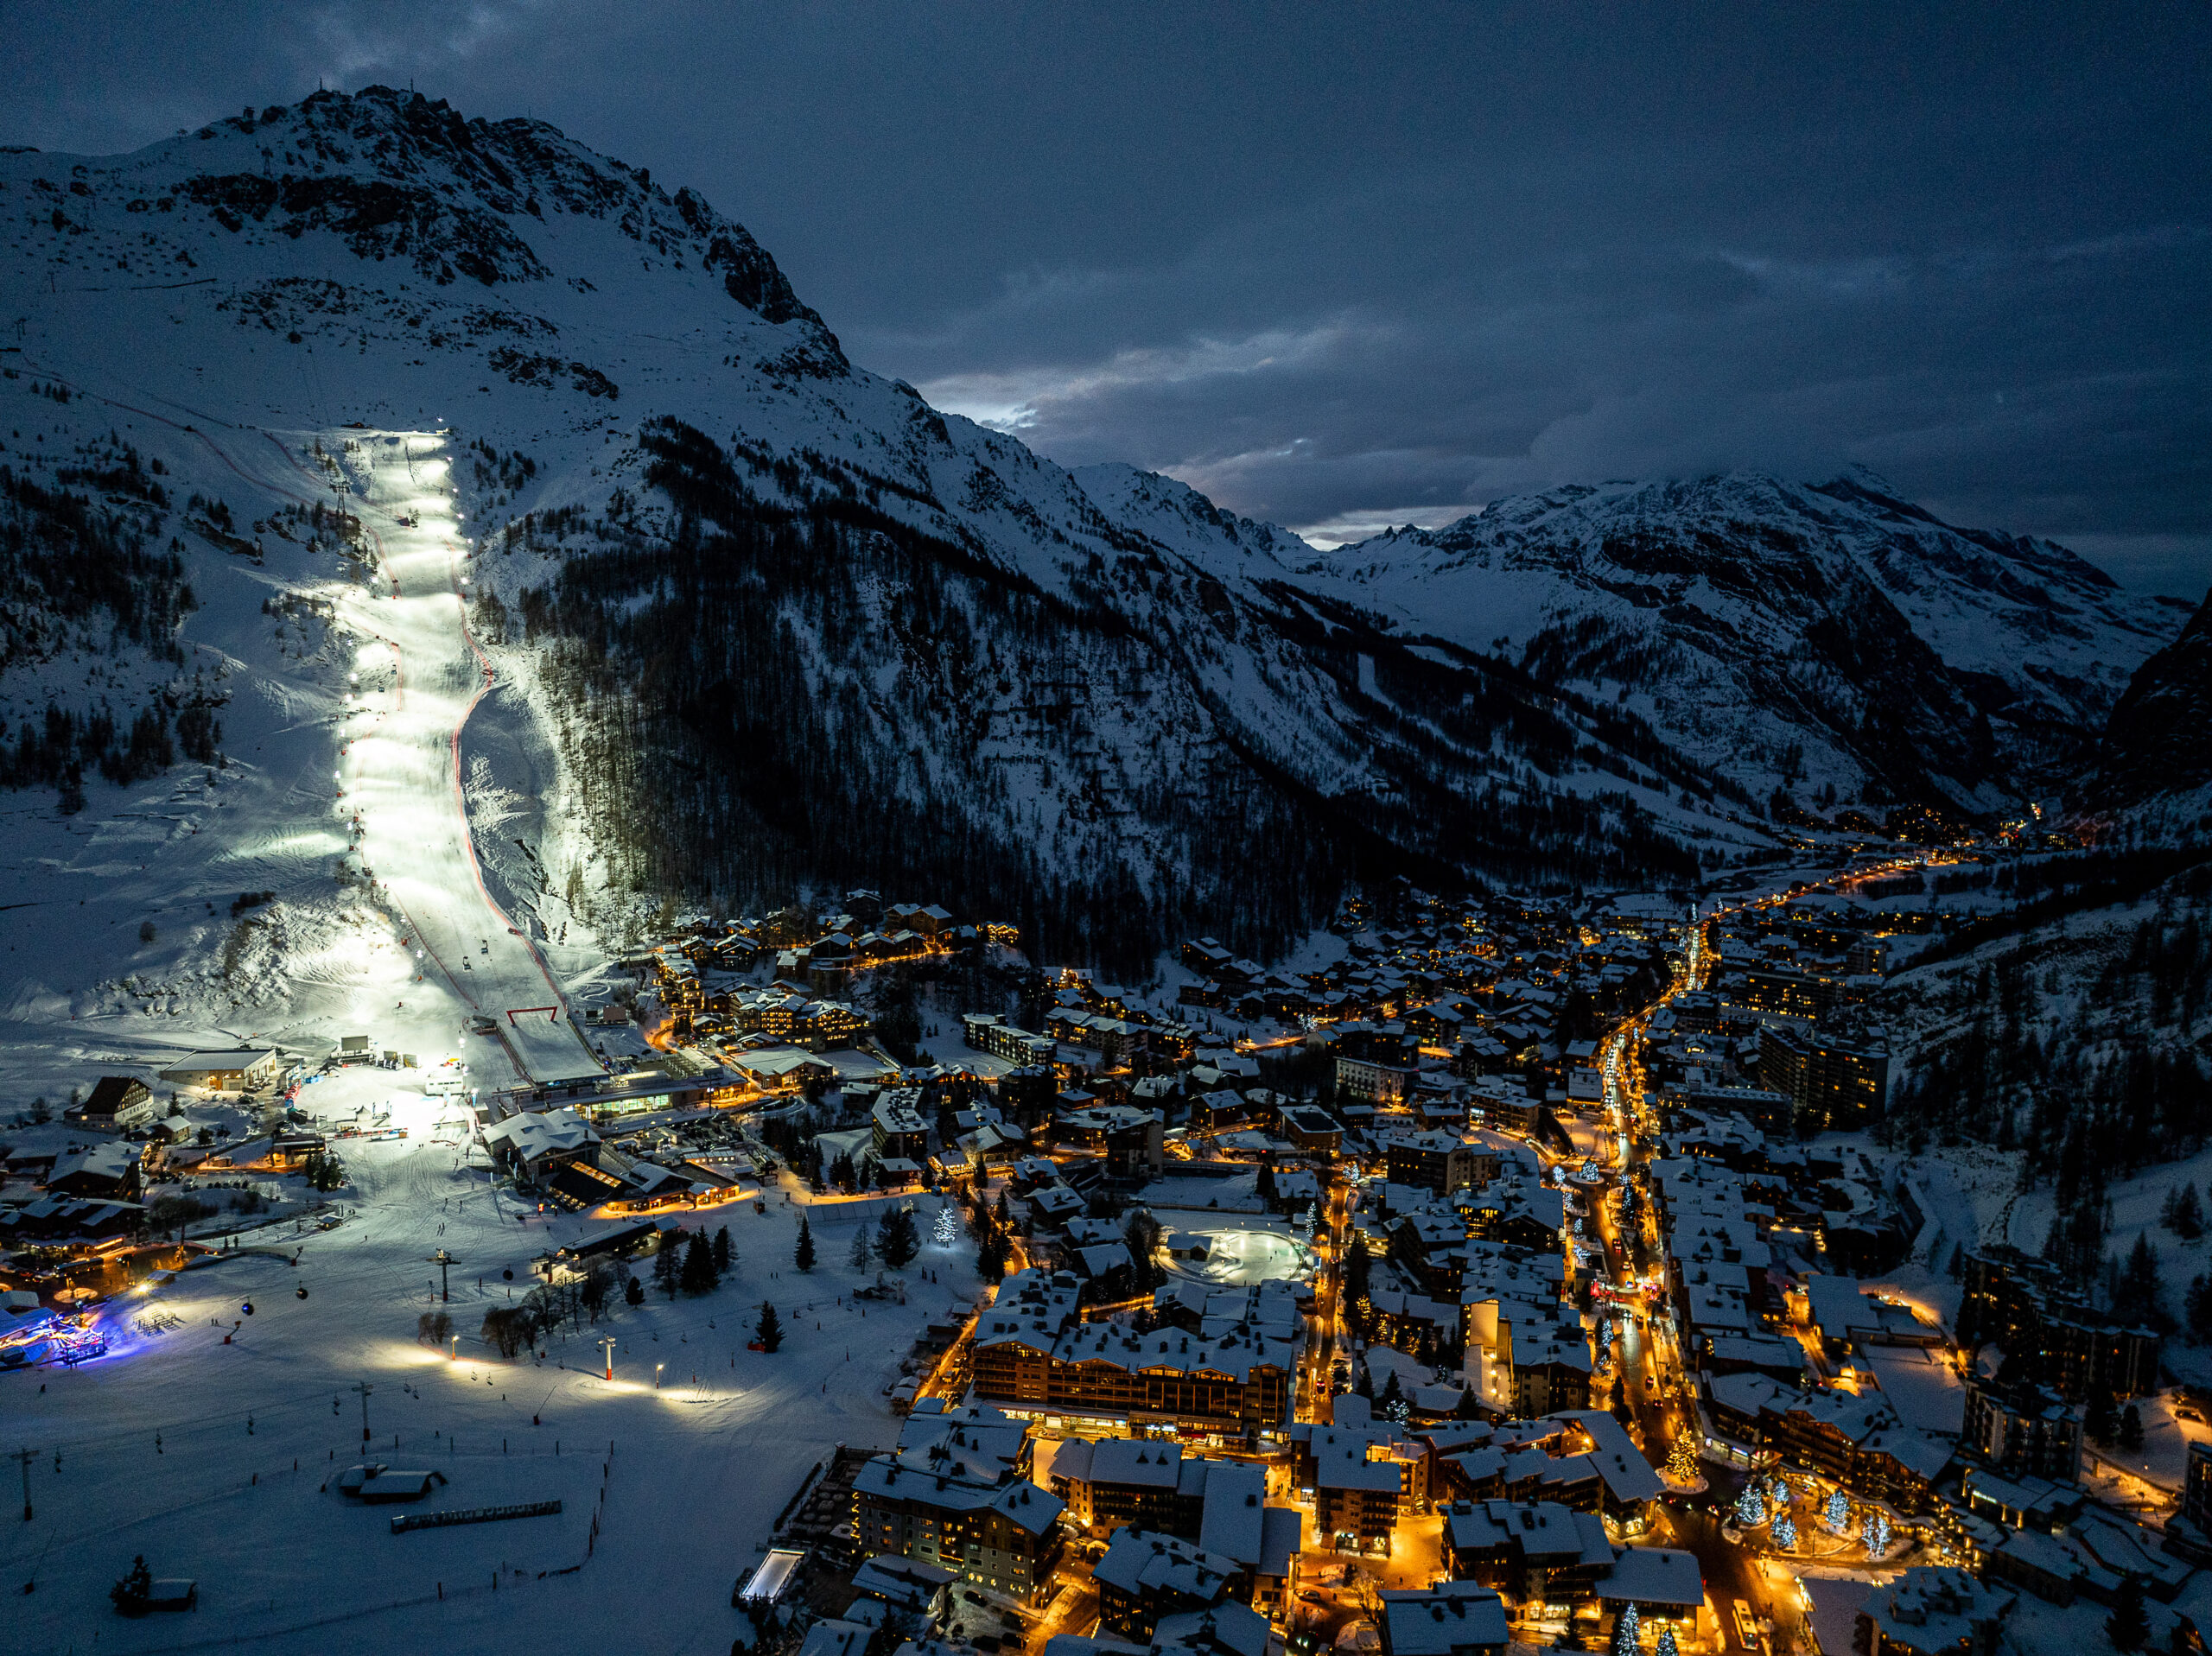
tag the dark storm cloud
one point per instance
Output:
(1342, 268)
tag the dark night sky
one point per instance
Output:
(1341, 267)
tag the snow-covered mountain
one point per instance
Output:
(1814, 634)
(762, 620)
(2153, 763)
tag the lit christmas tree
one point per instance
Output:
(1751, 1506)
(1785, 1533)
(1313, 1217)
(1839, 1512)
(947, 1228)
(1877, 1533)
(1625, 1633)
(1681, 1459)
(1666, 1642)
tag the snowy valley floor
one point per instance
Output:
(183, 1448)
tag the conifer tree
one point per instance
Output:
(697, 1274)
(2102, 1420)
(895, 1241)
(769, 1330)
(2188, 1215)
(1681, 1457)
(1877, 1533)
(1624, 1632)
(2129, 1625)
(803, 1255)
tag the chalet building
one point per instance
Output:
(1933, 1610)
(921, 1591)
(781, 1068)
(107, 1171)
(238, 1070)
(954, 1493)
(1205, 955)
(785, 1010)
(1146, 1577)
(533, 1143)
(986, 1032)
(1356, 1499)
(1002, 1534)
(1441, 1162)
(117, 1104)
(1136, 1484)
(1118, 1041)
(1033, 1357)
(676, 979)
(59, 1218)
(924, 920)
(1311, 1129)
(603, 1176)
(1129, 1481)
(898, 1129)
(1263, 1541)
(1453, 1618)
(1131, 1138)
(1854, 1442)
(1374, 1080)
(1533, 1551)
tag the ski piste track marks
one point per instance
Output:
(486, 677)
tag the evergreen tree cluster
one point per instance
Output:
(87, 572)
(718, 689)
(2087, 1088)
(68, 562)
(994, 1232)
(898, 1238)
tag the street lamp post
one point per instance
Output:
(606, 1343)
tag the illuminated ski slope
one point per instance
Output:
(418, 676)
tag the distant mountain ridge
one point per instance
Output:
(1815, 633)
(787, 626)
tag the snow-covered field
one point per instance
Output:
(184, 1449)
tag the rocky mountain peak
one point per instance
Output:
(391, 174)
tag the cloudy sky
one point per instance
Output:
(1343, 266)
